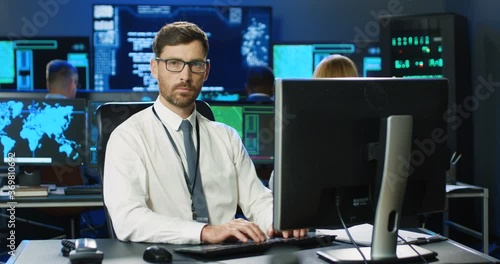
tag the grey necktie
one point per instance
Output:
(198, 196)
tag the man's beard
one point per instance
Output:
(178, 100)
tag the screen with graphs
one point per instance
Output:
(24, 61)
(255, 125)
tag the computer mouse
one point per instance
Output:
(157, 254)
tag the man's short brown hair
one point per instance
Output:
(176, 33)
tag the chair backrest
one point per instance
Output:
(111, 115)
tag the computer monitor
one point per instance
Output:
(43, 131)
(239, 37)
(255, 125)
(306, 56)
(328, 143)
(331, 142)
(95, 100)
(24, 61)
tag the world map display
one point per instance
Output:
(28, 127)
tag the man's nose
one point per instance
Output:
(185, 74)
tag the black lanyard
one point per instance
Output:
(186, 176)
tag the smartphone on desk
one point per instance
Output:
(86, 252)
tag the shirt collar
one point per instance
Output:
(170, 118)
(55, 96)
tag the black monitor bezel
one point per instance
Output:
(363, 187)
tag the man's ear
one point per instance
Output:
(153, 65)
(207, 72)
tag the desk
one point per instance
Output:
(470, 191)
(32, 251)
(53, 200)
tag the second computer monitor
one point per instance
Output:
(305, 57)
(43, 131)
(329, 147)
(255, 125)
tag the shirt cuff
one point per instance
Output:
(192, 231)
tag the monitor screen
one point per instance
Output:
(43, 131)
(97, 99)
(329, 147)
(239, 37)
(255, 125)
(24, 61)
(306, 56)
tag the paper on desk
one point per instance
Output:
(362, 234)
(58, 190)
(451, 188)
(52, 189)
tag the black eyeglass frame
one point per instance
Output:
(189, 63)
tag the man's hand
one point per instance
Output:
(287, 233)
(238, 228)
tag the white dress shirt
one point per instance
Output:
(144, 187)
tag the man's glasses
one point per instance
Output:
(178, 65)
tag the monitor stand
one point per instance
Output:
(387, 216)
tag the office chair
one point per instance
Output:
(112, 114)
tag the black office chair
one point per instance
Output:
(110, 115)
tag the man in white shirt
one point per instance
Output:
(146, 190)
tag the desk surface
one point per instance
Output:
(53, 200)
(32, 251)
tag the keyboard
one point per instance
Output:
(231, 249)
(83, 189)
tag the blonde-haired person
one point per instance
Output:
(332, 66)
(335, 66)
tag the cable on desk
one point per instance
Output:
(337, 203)
(67, 247)
(416, 251)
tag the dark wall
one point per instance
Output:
(295, 20)
(484, 29)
